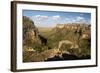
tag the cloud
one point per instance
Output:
(82, 20)
(81, 14)
(70, 20)
(56, 17)
(79, 18)
(40, 17)
(45, 18)
(67, 19)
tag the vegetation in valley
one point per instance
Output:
(64, 42)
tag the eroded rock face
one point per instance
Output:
(30, 34)
(28, 25)
(32, 40)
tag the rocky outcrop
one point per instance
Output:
(30, 34)
(32, 40)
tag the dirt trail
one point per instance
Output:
(73, 45)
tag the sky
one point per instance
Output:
(52, 18)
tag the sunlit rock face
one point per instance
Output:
(30, 34)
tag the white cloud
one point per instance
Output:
(40, 17)
(79, 18)
(44, 18)
(81, 14)
(67, 19)
(73, 20)
(70, 20)
(56, 17)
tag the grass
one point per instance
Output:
(54, 36)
